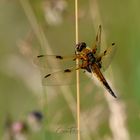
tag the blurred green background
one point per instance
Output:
(32, 27)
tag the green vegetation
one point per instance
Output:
(20, 78)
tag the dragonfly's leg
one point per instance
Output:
(78, 56)
(80, 67)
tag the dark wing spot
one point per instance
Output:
(47, 75)
(59, 57)
(105, 52)
(84, 71)
(67, 70)
(40, 56)
(113, 44)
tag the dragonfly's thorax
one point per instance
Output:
(87, 59)
(91, 59)
(84, 52)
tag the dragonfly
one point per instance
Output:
(90, 60)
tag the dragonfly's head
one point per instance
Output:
(80, 46)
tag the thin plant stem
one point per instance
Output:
(77, 73)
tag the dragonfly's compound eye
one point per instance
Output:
(80, 46)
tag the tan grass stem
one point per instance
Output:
(77, 73)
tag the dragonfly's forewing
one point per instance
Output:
(55, 61)
(97, 44)
(106, 57)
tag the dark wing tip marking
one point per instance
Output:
(40, 56)
(113, 44)
(59, 57)
(47, 75)
(67, 70)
